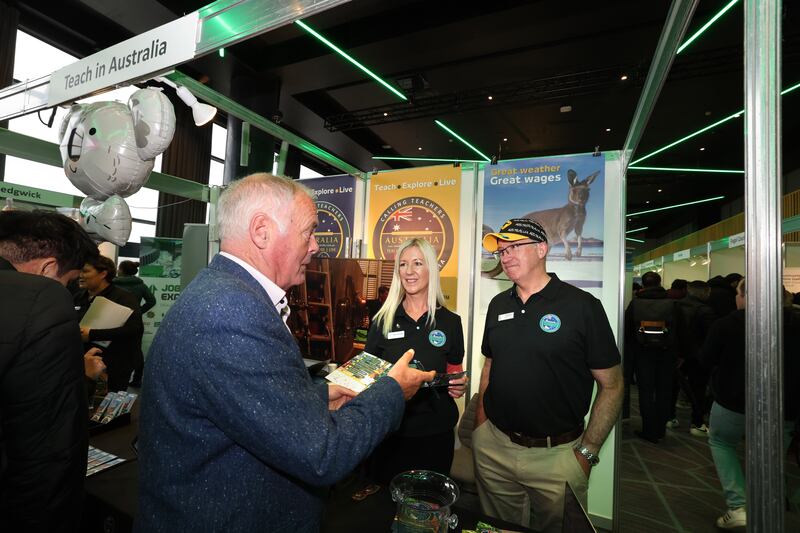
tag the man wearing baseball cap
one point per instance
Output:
(546, 344)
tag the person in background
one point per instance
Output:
(653, 333)
(235, 436)
(724, 352)
(723, 294)
(677, 289)
(126, 279)
(43, 409)
(691, 375)
(125, 349)
(547, 344)
(373, 306)
(414, 316)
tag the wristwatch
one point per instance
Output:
(584, 451)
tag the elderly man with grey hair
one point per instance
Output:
(234, 435)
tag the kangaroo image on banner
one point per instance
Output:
(565, 195)
(422, 203)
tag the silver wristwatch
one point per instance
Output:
(584, 451)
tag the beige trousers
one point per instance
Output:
(525, 485)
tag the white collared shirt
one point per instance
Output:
(276, 295)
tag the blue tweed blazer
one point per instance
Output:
(234, 435)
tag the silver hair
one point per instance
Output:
(261, 192)
(385, 316)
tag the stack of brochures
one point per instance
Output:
(114, 405)
(100, 460)
(360, 372)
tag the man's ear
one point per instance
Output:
(48, 267)
(261, 229)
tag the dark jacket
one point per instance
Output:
(652, 305)
(139, 288)
(697, 318)
(724, 354)
(722, 298)
(235, 436)
(43, 412)
(125, 350)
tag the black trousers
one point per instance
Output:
(692, 378)
(398, 454)
(654, 377)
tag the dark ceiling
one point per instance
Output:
(532, 57)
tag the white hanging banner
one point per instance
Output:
(736, 240)
(148, 53)
(683, 254)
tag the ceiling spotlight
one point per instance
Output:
(702, 148)
(385, 114)
(608, 129)
(419, 148)
(505, 139)
(623, 77)
(708, 113)
(490, 97)
(565, 108)
(386, 146)
(202, 113)
(659, 190)
(647, 201)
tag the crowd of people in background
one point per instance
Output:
(690, 338)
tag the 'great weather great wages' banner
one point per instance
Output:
(422, 203)
(566, 195)
(336, 200)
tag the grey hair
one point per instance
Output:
(256, 193)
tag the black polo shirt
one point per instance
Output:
(428, 412)
(542, 351)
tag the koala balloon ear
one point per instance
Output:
(153, 121)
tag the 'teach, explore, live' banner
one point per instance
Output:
(336, 200)
(566, 195)
(422, 203)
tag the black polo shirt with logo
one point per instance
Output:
(542, 353)
(430, 411)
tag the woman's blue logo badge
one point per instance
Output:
(550, 323)
(437, 338)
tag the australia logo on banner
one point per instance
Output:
(332, 230)
(409, 218)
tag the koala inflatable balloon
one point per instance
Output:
(108, 150)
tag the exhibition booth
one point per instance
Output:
(365, 216)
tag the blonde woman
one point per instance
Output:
(414, 316)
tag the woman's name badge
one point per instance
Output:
(396, 335)
(505, 316)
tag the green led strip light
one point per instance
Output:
(675, 206)
(698, 132)
(351, 59)
(706, 26)
(444, 160)
(701, 170)
(632, 239)
(462, 139)
(635, 230)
